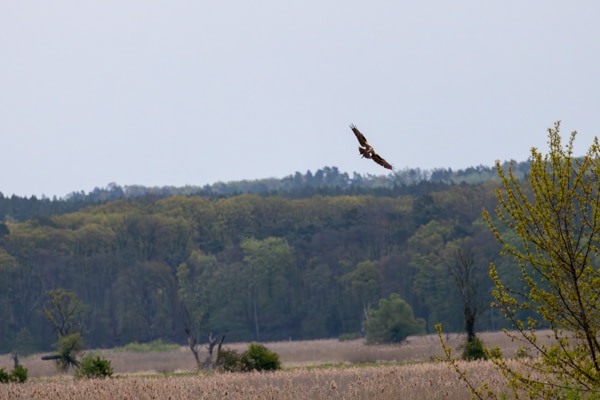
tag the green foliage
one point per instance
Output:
(549, 228)
(230, 360)
(17, 375)
(195, 277)
(304, 265)
(392, 322)
(70, 344)
(69, 347)
(364, 285)
(267, 264)
(94, 367)
(65, 312)
(495, 352)
(430, 250)
(556, 219)
(155, 345)
(4, 376)
(474, 350)
(256, 358)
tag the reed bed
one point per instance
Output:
(419, 381)
(405, 371)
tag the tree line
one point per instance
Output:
(327, 181)
(254, 266)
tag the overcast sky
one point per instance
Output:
(194, 92)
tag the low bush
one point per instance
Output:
(474, 350)
(93, 368)
(256, 358)
(4, 376)
(17, 375)
(229, 360)
(259, 358)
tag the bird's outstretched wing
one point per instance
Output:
(367, 151)
(379, 160)
(361, 138)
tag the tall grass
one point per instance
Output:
(421, 381)
(414, 375)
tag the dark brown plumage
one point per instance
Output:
(379, 160)
(367, 151)
(362, 140)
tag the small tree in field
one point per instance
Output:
(392, 322)
(462, 267)
(550, 227)
(68, 349)
(66, 314)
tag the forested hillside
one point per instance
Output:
(301, 260)
(325, 181)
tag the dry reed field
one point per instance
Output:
(420, 381)
(138, 375)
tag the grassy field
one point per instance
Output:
(319, 369)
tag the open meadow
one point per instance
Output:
(316, 369)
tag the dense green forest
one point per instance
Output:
(295, 258)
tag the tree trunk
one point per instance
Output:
(470, 318)
(212, 342)
(192, 332)
(193, 345)
(255, 311)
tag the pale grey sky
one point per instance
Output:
(194, 92)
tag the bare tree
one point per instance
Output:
(462, 268)
(192, 333)
(212, 342)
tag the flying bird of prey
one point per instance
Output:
(367, 151)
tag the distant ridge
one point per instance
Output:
(327, 181)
